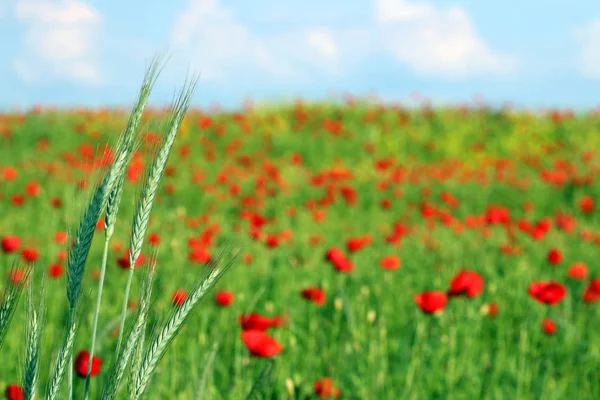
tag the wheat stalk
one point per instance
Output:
(115, 193)
(119, 364)
(32, 337)
(165, 336)
(150, 188)
(64, 358)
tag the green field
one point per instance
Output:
(443, 190)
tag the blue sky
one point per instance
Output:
(534, 53)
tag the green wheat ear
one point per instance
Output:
(83, 239)
(150, 188)
(78, 253)
(161, 341)
(35, 323)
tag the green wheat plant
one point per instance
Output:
(134, 356)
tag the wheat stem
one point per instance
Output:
(96, 315)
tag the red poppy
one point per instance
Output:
(324, 389)
(390, 263)
(10, 174)
(56, 202)
(549, 327)
(339, 260)
(17, 200)
(586, 204)
(356, 244)
(30, 255)
(10, 244)
(60, 237)
(81, 364)
(555, 257)
(497, 215)
(199, 255)
(154, 239)
(258, 322)
(14, 392)
(547, 292)
(260, 344)
(578, 271)
(592, 292)
(469, 283)
(431, 302)
(124, 260)
(178, 298)
(493, 309)
(55, 271)
(272, 241)
(32, 189)
(223, 298)
(314, 294)
(16, 276)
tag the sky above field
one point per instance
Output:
(533, 53)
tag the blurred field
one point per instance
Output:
(444, 190)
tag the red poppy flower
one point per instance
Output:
(390, 263)
(578, 271)
(223, 298)
(10, 244)
(356, 244)
(549, 327)
(16, 276)
(272, 241)
(468, 283)
(56, 202)
(199, 255)
(178, 298)
(586, 204)
(17, 200)
(555, 257)
(60, 237)
(431, 302)
(29, 255)
(314, 294)
(154, 239)
(260, 344)
(14, 392)
(547, 292)
(324, 389)
(124, 261)
(81, 364)
(258, 322)
(10, 174)
(497, 215)
(339, 260)
(32, 189)
(493, 309)
(592, 292)
(55, 271)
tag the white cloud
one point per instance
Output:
(322, 41)
(435, 41)
(429, 40)
(589, 56)
(60, 41)
(220, 46)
